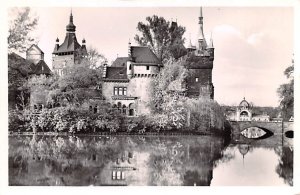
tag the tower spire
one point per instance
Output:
(71, 27)
(201, 39)
(201, 12)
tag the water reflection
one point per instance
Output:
(124, 160)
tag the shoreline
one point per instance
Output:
(120, 134)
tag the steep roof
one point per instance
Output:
(141, 54)
(70, 44)
(116, 73)
(120, 62)
(41, 68)
(20, 64)
(37, 47)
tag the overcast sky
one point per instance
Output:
(253, 45)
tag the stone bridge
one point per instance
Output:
(275, 127)
(278, 129)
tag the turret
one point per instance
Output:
(190, 47)
(211, 49)
(128, 63)
(56, 44)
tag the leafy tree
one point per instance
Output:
(18, 72)
(77, 84)
(163, 37)
(286, 93)
(170, 81)
(95, 59)
(19, 32)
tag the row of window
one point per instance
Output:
(120, 90)
(118, 175)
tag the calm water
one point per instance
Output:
(149, 160)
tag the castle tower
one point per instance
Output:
(200, 65)
(70, 51)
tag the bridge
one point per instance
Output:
(277, 129)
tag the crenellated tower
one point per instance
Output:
(200, 64)
(70, 51)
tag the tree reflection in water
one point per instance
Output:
(285, 166)
(121, 160)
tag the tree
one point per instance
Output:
(170, 81)
(95, 59)
(77, 84)
(18, 72)
(20, 28)
(286, 93)
(163, 37)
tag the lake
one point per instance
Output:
(149, 160)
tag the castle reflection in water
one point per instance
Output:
(134, 160)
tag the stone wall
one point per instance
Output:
(139, 69)
(58, 62)
(204, 78)
(137, 87)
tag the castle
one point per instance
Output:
(126, 82)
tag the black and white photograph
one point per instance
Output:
(150, 96)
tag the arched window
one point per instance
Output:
(124, 109)
(131, 109)
(119, 105)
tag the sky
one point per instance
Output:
(253, 45)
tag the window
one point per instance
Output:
(130, 67)
(114, 175)
(147, 67)
(120, 90)
(118, 174)
(197, 79)
(115, 91)
(125, 91)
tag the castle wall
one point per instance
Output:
(58, 62)
(143, 69)
(204, 78)
(137, 87)
(141, 88)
